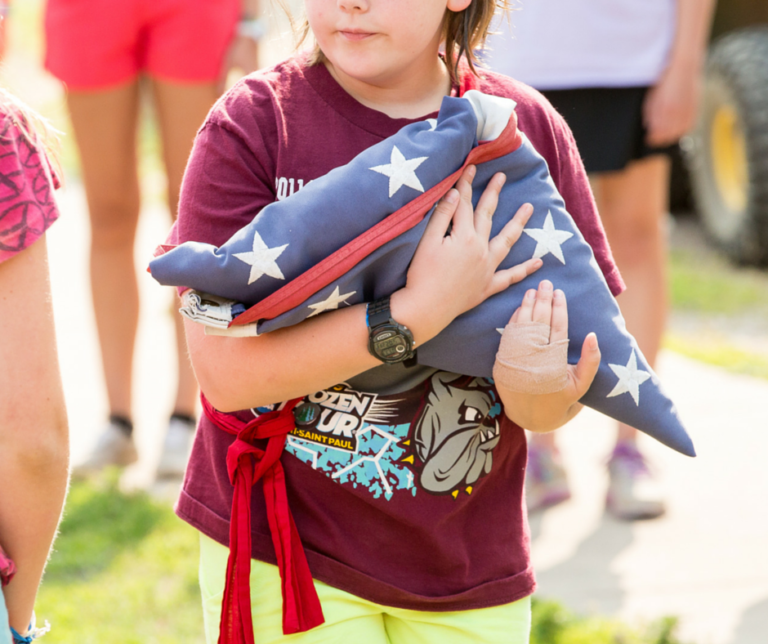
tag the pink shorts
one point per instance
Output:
(93, 44)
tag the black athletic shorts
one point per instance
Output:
(607, 123)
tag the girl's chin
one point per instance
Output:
(358, 70)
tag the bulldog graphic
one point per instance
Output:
(454, 434)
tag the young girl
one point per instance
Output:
(33, 428)
(407, 495)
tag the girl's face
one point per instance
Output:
(380, 42)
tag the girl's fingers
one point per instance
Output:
(559, 330)
(503, 242)
(441, 219)
(586, 369)
(542, 307)
(462, 220)
(508, 276)
(486, 205)
(515, 316)
(526, 307)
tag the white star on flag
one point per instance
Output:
(630, 378)
(432, 124)
(548, 239)
(330, 303)
(262, 259)
(401, 171)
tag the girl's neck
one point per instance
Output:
(410, 94)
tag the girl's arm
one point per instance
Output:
(546, 412)
(451, 272)
(671, 105)
(34, 446)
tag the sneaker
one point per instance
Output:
(633, 492)
(546, 483)
(176, 448)
(114, 447)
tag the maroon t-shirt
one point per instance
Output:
(408, 491)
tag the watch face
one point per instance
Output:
(390, 345)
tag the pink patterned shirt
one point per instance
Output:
(27, 182)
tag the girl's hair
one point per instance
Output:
(35, 128)
(464, 33)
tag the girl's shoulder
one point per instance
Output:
(260, 96)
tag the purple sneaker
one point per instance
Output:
(633, 492)
(546, 483)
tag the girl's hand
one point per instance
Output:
(545, 412)
(243, 55)
(671, 106)
(454, 268)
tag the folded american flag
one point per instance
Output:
(378, 206)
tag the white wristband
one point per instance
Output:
(253, 28)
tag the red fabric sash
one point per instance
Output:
(246, 464)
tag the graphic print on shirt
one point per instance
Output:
(455, 433)
(286, 186)
(438, 437)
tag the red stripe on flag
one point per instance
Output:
(348, 256)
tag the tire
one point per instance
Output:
(727, 154)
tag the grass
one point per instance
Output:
(555, 624)
(711, 289)
(720, 354)
(124, 571)
(710, 286)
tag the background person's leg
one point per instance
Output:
(546, 481)
(633, 207)
(181, 109)
(104, 123)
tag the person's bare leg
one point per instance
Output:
(633, 207)
(105, 130)
(181, 109)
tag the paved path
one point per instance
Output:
(706, 561)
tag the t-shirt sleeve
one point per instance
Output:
(27, 205)
(570, 177)
(227, 182)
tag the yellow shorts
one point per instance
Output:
(352, 619)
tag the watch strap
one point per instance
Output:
(378, 312)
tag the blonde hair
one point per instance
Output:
(35, 128)
(463, 33)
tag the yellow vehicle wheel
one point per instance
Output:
(727, 154)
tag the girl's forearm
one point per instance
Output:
(34, 486)
(34, 445)
(694, 19)
(240, 373)
(250, 8)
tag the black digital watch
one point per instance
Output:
(388, 341)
